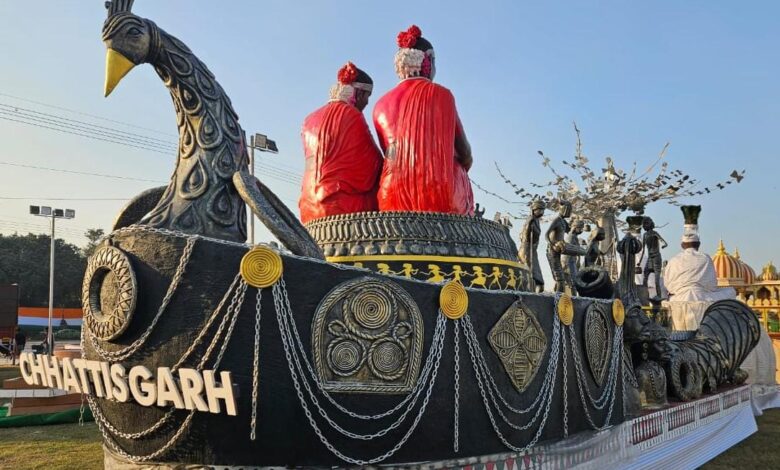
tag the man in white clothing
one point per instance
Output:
(692, 284)
(690, 276)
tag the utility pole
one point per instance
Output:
(53, 214)
(262, 143)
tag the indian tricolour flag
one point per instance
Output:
(39, 316)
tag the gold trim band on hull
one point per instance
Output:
(439, 259)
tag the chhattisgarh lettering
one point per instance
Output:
(187, 389)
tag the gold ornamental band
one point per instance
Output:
(439, 259)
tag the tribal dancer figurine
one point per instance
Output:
(556, 245)
(342, 160)
(529, 243)
(650, 244)
(427, 156)
(571, 262)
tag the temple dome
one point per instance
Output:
(748, 274)
(728, 268)
(769, 273)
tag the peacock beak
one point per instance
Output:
(117, 67)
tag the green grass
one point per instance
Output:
(8, 372)
(61, 446)
(758, 451)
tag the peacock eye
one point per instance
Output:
(134, 31)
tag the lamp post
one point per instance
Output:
(53, 214)
(262, 143)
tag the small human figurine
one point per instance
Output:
(495, 277)
(383, 268)
(407, 270)
(650, 245)
(436, 274)
(529, 242)
(571, 262)
(511, 282)
(480, 279)
(556, 245)
(457, 272)
(593, 254)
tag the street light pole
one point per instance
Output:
(262, 143)
(50, 334)
(54, 214)
(251, 172)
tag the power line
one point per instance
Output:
(65, 198)
(93, 137)
(31, 113)
(84, 173)
(85, 114)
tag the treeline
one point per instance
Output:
(24, 260)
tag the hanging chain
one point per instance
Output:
(108, 429)
(456, 419)
(565, 387)
(287, 324)
(546, 391)
(256, 365)
(124, 353)
(285, 303)
(547, 401)
(295, 367)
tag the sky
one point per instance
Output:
(701, 75)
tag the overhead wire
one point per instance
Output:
(86, 126)
(80, 128)
(82, 113)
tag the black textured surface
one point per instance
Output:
(284, 435)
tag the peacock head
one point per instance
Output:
(129, 40)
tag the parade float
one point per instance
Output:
(399, 339)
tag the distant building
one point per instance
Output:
(761, 293)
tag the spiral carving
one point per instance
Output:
(371, 309)
(566, 309)
(261, 267)
(453, 300)
(367, 337)
(387, 359)
(345, 357)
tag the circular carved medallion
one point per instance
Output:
(261, 267)
(453, 300)
(345, 357)
(565, 309)
(109, 292)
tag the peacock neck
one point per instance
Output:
(200, 198)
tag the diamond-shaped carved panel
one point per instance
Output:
(520, 343)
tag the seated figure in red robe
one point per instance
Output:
(342, 159)
(427, 156)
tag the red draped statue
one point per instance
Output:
(427, 156)
(342, 160)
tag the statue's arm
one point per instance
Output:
(462, 147)
(661, 239)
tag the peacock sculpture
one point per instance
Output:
(211, 181)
